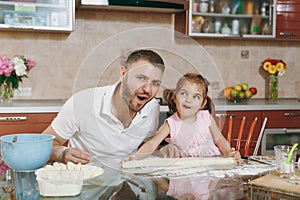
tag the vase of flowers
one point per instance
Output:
(274, 68)
(12, 71)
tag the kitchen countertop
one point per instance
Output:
(254, 104)
(258, 104)
(53, 106)
(32, 106)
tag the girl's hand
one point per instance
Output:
(131, 157)
(169, 151)
(236, 156)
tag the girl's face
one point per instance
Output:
(189, 99)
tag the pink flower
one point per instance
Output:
(30, 63)
(12, 71)
(6, 66)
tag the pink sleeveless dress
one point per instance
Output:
(195, 139)
(200, 188)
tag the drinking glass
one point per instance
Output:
(281, 154)
(295, 173)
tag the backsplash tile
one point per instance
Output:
(60, 56)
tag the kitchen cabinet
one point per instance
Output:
(43, 15)
(282, 118)
(227, 18)
(277, 119)
(288, 19)
(223, 118)
(24, 122)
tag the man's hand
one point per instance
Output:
(169, 151)
(75, 155)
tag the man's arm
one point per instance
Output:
(61, 153)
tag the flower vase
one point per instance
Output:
(273, 88)
(6, 92)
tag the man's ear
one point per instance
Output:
(122, 73)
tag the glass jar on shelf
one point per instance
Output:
(203, 6)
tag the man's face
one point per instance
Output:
(141, 82)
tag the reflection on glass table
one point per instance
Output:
(116, 184)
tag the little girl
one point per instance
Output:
(191, 128)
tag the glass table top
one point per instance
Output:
(114, 184)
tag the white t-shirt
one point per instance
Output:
(87, 122)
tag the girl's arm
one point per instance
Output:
(151, 145)
(222, 143)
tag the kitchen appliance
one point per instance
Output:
(167, 6)
(278, 136)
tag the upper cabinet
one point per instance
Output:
(231, 18)
(44, 15)
(288, 19)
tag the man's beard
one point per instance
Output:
(128, 97)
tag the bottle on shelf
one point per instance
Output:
(225, 29)
(235, 27)
(211, 6)
(208, 27)
(225, 8)
(217, 26)
(196, 6)
(248, 9)
(264, 9)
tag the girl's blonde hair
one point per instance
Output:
(169, 94)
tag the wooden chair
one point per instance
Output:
(238, 141)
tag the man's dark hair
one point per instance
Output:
(147, 55)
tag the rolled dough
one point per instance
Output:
(191, 161)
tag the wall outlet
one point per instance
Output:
(23, 92)
(215, 85)
(245, 54)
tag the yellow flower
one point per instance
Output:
(266, 65)
(279, 66)
(272, 69)
(274, 66)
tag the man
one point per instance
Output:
(110, 121)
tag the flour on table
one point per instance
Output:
(219, 167)
(191, 161)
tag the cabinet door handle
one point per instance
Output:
(292, 34)
(225, 115)
(292, 114)
(13, 119)
(292, 130)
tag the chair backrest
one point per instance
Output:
(237, 142)
(249, 136)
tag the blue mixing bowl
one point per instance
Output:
(29, 152)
